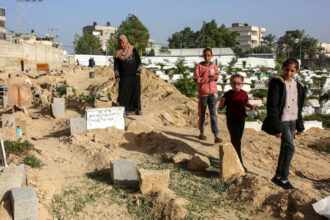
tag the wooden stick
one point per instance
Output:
(3, 152)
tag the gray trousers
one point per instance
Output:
(287, 149)
(210, 101)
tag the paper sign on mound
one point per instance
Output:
(106, 117)
(230, 165)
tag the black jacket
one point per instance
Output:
(276, 99)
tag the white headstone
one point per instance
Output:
(106, 117)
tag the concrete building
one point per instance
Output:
(103, 32)
(2, 24)
(194, 52)
(249, 36)
(326, 47)
(31, 38)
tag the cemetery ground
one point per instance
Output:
(74, 181)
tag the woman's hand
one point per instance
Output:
(279, 135)
(117, 79)
(138, 74)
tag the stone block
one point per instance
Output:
(123, 172)
(4, 101)
(8, 120)
(230, 165)
(312, 124)
(10, 178)
(323, 110)
(181, 157)
(100, 104)
(314, 103)
(69, 91)
(307, 110)
(78, 125)
(58, 109)
(24, 203)
(44, 99)
(60, 84)
(256, 125)
(153, 180)
(57, 100)
(198, 163)
(22, 169)
(256, 102)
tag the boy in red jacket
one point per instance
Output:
(206, 75)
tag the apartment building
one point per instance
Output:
(103, 32)
(248, 36)
(2, 24)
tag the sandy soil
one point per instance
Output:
(68, 158)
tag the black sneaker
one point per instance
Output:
(277, 181)
(287, 185)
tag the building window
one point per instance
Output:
(2, 24)
(2, 36)
(2, 12)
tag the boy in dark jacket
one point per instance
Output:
(285, 101)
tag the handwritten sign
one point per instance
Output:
(105, 117)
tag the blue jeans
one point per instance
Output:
(287, 149)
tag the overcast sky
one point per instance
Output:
(163, 18)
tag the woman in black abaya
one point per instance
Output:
(127, 65)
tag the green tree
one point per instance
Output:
(231, 64)
(87, 44)
(187, 37)
(210, 35)
(185, 84)
(112, 45)
(136, 33)
(164, 50)
(262, 49)
(310, 46)
(279, 60)
(286, 43)
(270, 39)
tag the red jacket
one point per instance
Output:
(202, 75)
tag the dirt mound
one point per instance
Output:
(259, 194)
(167, 205)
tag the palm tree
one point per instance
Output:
(299, 36)
(270, 39)
(286, 43)
(310, 45)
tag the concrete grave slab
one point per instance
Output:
(58, 109)
(123, 172)
(312, 124)
(77, 125)
(10, 178)
(8, 120)
(24, 203)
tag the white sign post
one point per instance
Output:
(106, 117)
(3, 152)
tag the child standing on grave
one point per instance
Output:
(285, 101)
(206, 75)
(236, 100)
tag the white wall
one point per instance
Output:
(100, 60)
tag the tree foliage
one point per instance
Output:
(87, 44)
(185, 84)
(136, 33)
(210, 35)
(270, 39)
(164, 50)
(262, 49)
(112, 45)
(298, 43)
